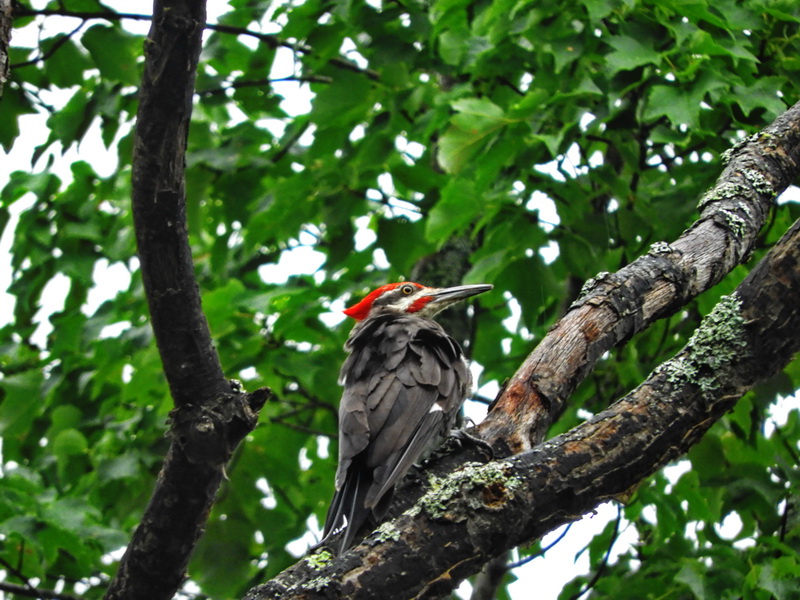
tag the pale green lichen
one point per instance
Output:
(745, 208)
(592, 283)
(318, 584)
(679, 370)
(720, 336)
(319, 559)
(660, 248)
(471, 476)
(762, 138)
(715, 343)
(736, 224)
(759, 182)
(728, 155)
(726, 190)
(387, 532)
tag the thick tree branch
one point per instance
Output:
(211, 415)
(171, 53)
(615, 306)
(479, 511)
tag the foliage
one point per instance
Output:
(589, 127)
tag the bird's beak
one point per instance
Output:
(459, 292)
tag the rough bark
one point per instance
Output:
(211, 415)
(6, 20)
(479, 511)
(615, 306)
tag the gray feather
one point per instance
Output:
(399, 367)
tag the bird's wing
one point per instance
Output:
(411, 404)
(429, 429)
(404, 381)
(354, 428)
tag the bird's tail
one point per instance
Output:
(347, 512)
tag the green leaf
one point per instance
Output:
(680, 107)
(65, 64)
(630, 53)
(762, 94)
(476, 119)
(15, 104)
(218, 305)
(69, 442)
(694, 576)
(118, 467)
(343, 102)
(70, 124)
(19, 405)
(115, 52)
(403, 241)
(459, 206)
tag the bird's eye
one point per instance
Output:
(407, 289)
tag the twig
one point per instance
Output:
(271, 40)
(235, 85)
(16, 572)
(604, 563)
(33, 592)
(55, 47)
(527, 559)
(300, 428)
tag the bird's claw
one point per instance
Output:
(461, 437)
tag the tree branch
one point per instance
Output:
(211, 415)
(479, 511)
(63, 39)
(614, 307)
(6, 20)
(604, 563)
(271, 40)
(34, 592)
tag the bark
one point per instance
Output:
(211, 414)
(479, 511)
(6, 20)
(615, 306)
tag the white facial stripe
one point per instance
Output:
(406, 302)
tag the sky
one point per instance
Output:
(544, 576)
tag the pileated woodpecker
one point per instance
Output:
(404, 382)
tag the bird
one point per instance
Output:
(404, 382)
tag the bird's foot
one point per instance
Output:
(461, 437)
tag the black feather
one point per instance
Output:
(404, 382)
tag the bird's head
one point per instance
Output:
(408, 298)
